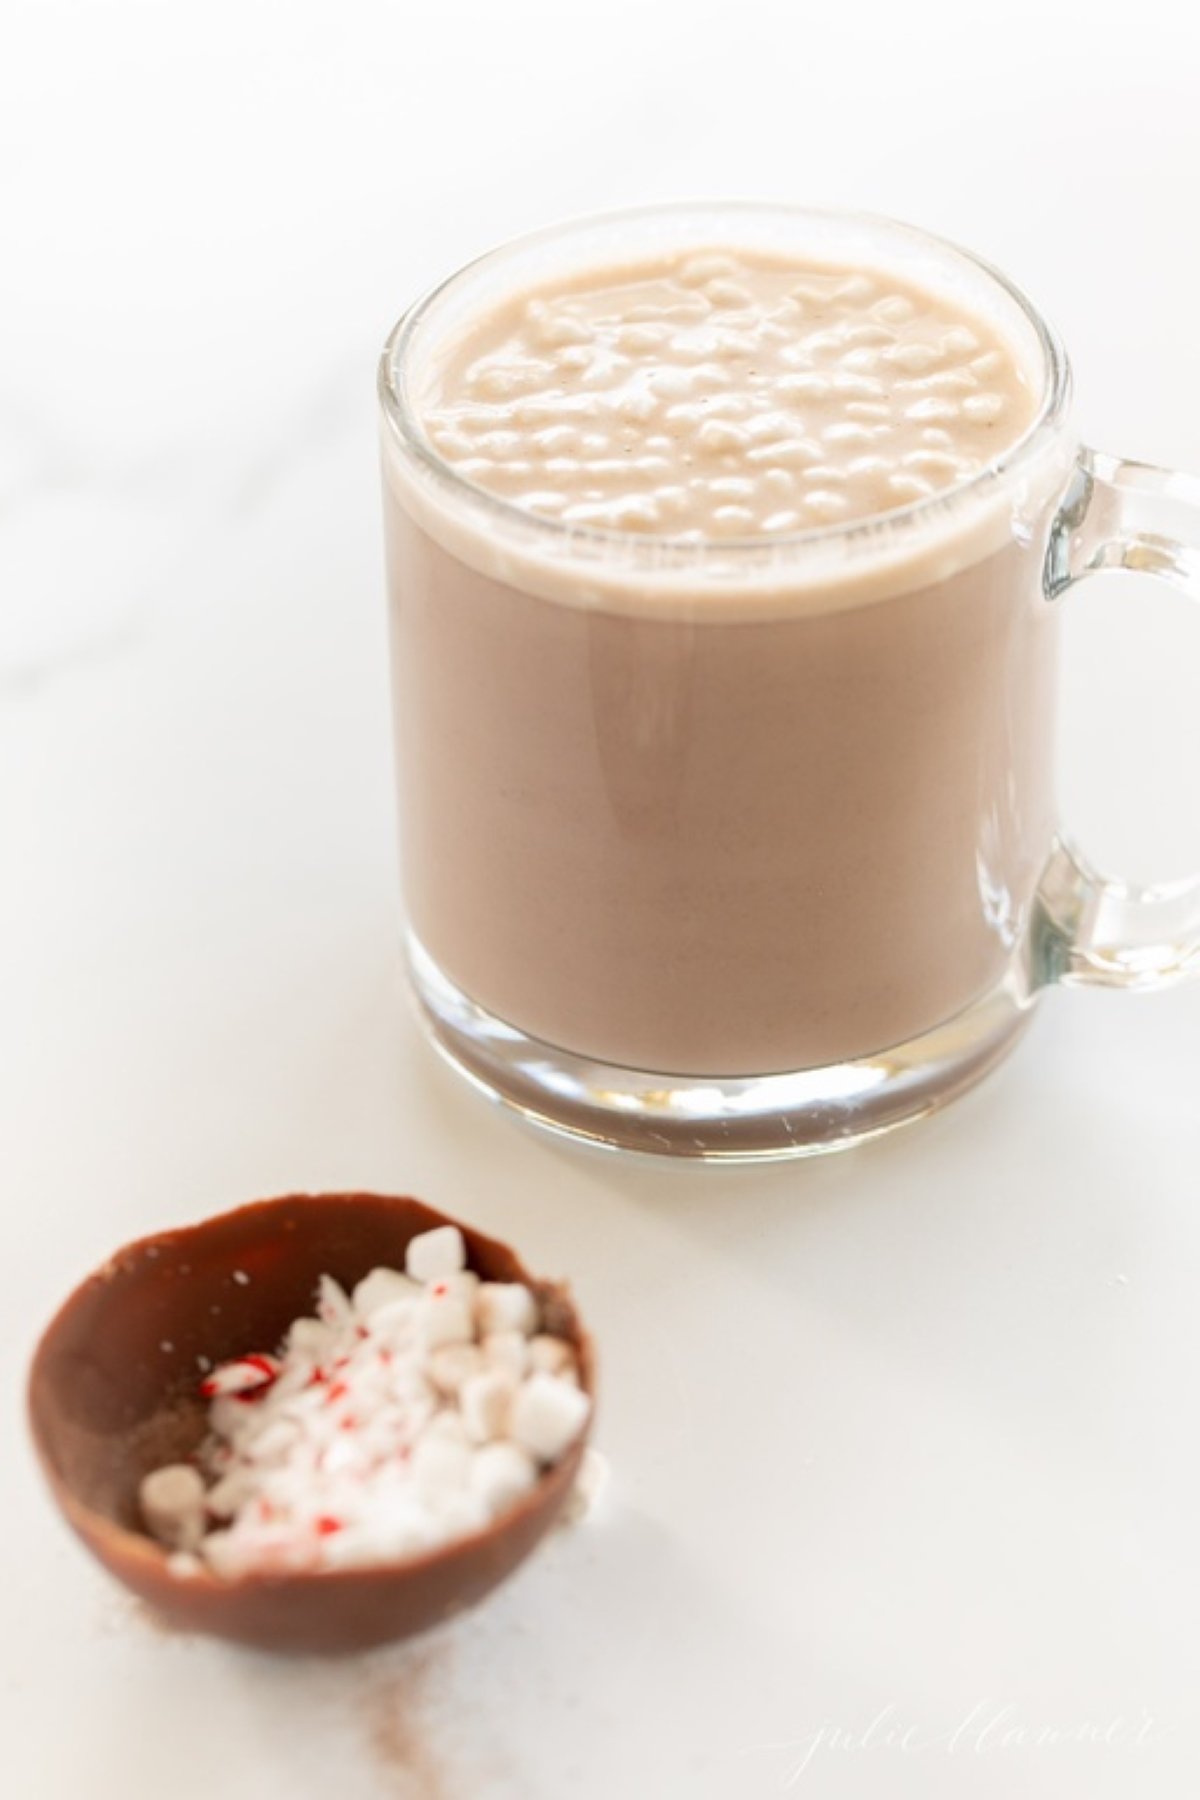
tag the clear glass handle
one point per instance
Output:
(1120, 515)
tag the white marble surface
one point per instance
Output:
(903, 1442)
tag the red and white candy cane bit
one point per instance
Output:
(251, 1374)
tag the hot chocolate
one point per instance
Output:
(712, 825)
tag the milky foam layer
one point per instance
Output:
(722, 395)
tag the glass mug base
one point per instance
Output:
(749, 1118)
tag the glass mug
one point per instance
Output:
(749, 848)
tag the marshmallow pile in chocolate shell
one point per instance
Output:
(415, 1410)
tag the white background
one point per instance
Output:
(906, 1436)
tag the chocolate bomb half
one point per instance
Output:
(114, 1393)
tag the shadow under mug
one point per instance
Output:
(749, 848)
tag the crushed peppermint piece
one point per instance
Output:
(248, 1375)
(405, 1414)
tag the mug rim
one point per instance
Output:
(655, 551)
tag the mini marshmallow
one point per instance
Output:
(486, 1404)
(309, 1337)
(382, 1287)
(433, 1254)
(500, 1474)
(396, 1523)
(591, 1484)
(548, 1414)
(397, 1323)
(236, 1552)
(444, 1319)
(439, 1466)
(227, 1555)
(172, 1503)
(507, 1350)
(464, 1284)
(552, 1356)
(452, 1365)
(228, 1494)
(446, 1424)
(458, 1515)
(506, 1306)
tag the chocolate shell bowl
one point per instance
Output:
(114, 1394)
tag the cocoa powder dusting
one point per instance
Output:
(401, 1732)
